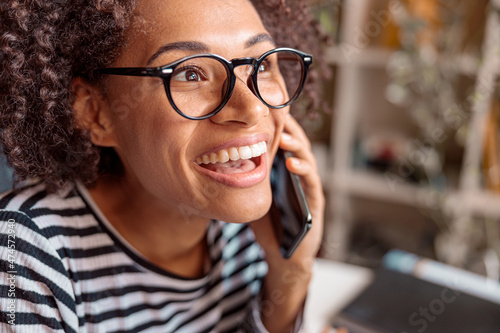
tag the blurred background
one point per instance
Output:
(409, 156)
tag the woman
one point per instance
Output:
(138, 243)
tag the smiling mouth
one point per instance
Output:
(234, 160)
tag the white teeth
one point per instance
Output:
(234, 154)
(255, 150)
(263, 147)
(213, 158)
(245, 152)
(223, 156)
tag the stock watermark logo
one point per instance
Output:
(425, 315)
(371, 29)
(429, 313)
(454, 118)
(11, 279)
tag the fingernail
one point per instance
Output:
(286, 136)
(295, 161)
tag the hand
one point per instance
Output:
(303, 164)
(286, 283)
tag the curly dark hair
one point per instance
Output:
(44, 44)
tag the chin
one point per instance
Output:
(243, 213)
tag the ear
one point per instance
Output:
(92, 112)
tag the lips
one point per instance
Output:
(238, 166)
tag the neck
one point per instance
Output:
(161, 234)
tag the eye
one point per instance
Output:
(267, 67)
(264, 66)
(189, 74)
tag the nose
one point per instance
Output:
(244, 106)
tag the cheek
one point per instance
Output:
(134, 95)
(157, 144)
(143, 117)
(152, 142)
(280, 116)
(279, 119)
(159, 168)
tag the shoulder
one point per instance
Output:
(34, 204)
(42, 222)
(31, 224)
(33, 200)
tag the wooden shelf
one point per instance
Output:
(369, 57)
(382, 187)
(360, 78)
(373, 185)
(473, 203)
(377, 57)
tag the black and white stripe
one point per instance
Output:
(76, 274)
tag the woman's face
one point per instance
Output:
(160, 149)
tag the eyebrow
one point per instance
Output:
(183, 46)
(260, 38)
(204, 48)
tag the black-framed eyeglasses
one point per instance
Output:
(199, 86)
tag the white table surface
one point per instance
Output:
(332, 287)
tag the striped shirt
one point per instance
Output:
(64, 268)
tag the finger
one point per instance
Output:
(290, 143)
(299, 166)
(296, 147)
(300, 152)
(329, 329)
(309, 177)
(293, 127)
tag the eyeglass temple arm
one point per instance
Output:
(136, 71)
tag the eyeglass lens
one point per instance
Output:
(199, 85)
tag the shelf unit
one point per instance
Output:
(344, 181)
(471, 198)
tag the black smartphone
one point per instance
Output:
(289, 211)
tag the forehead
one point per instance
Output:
(224, 25)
